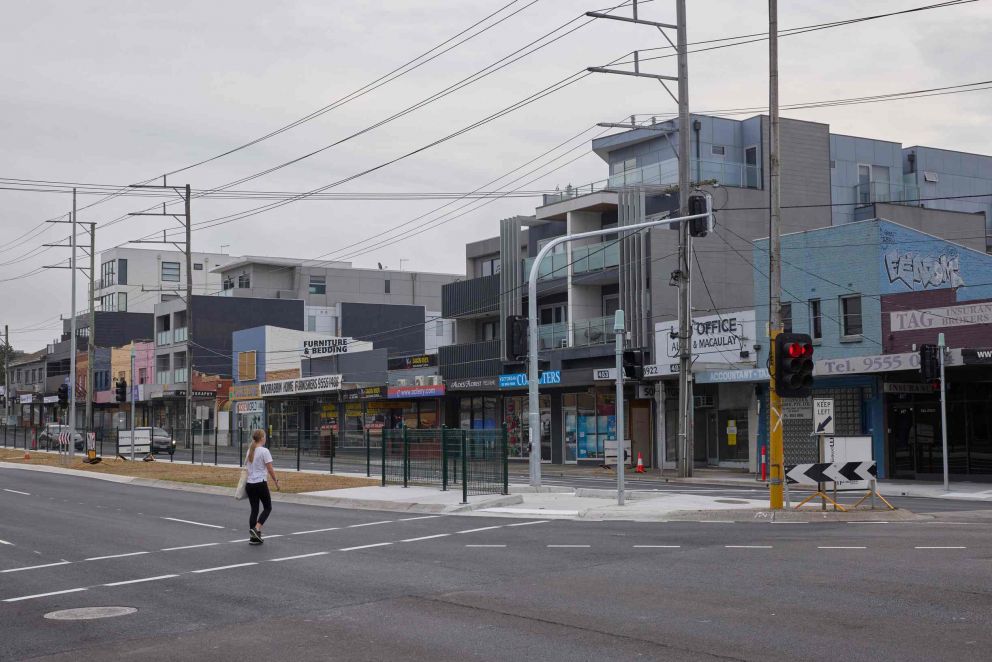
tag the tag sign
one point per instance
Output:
(823, 415)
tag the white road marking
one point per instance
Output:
(485, 528)
(300, 533)
(950, 547)
(17, 492)
(138, 581)
(436, 535)
(206, 544)
(868, 522)
(355, 526)
(568, 546)
(224, 567)
(186, 521)
(485, 545)
(540, 521)
(840, 547)
(114, 556)
(790, 522)
(274, 535)
(713, 521)
(748, 546)
(4, 542)
(298, 556)
(657, 546)
(378, 544)
(36, 567)
(413, 519)
(44, 595)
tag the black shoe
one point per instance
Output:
(254, 542)
(254, 536)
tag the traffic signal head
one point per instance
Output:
(121, 388)
(633, 364)
(700, 203)
(517, 328)
(64, 394)
(929, 362)
(793, 365)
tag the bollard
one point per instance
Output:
(241, 455)
(215, 442)
(382, 444)
(506, 460)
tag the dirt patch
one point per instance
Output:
(290, 481)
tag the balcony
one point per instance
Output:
(180, 335)
(666, 174)
(869, 193)
(596, 331)
(475, 297)
(595, 257)
(552, 336)
(163, 337)
(478, 359)
(554, 265)
(162, 377)
(179, 375)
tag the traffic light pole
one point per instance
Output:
(533, 411)
(131, 386)
(619, 328)
(776, 446)
(775, 442)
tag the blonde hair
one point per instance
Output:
(256, 438)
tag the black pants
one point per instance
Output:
(258, 492)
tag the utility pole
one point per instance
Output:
(131, 394)
(776, 436)
(683, 274)
(72, 341)
(188, 226)
(6, 373)
(91, 340)
(942, 353)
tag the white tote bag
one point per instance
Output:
(239, 491)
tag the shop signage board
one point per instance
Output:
(823, 415)
(519, 379)
(250, 406)
(876, 363)
(428, 391)
(28, 399)
(318, 348)
(472, 384)
(413, 362)
(797, 409)
(298, 386)
(716, 339)
(367, 393)
(909, 388)
(941, 318)
(50, 399)
(725, 376)
(245, 391)
(977, 356)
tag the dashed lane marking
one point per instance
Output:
(413, 519)
(298, 556)
(657, 546)
(436, 535)
(186, 521)
(868, 522)
(841, 547)
(485, 545)
(947, 547)
(4, 542)
(17, 492)
(540, 521)
(36, 567)
(224, 567)
(300, 533)
(206, 544)
(351, 549)
(355, 526)
(114, 556)
(569, 546)
(485, 528)
(139, 581)
(44, 595)
(748, 546)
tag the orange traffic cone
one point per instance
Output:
(640, 464)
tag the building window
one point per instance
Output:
(107, 273)
(786, 313)
(386, 282)
(815, 319)
(490, 331)
(718, 150)
(122, 272)
(169, 297)
(850, 309)
(244, 281)
(246, 366)
(170, 272)
(611, 304)
(228, 283)
(122, 302)
(197, 266)
(623, 166)
(490, 266)
(142, 375)
(318, 285)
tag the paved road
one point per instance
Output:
(333, 584)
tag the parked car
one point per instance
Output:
(48, 438)
(161, 441)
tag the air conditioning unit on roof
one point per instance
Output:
(420, 380)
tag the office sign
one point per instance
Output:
(245, 392)
(725, 376)
(519, 379)
(250, 406)
(318, 348)
(284, 387)
(716, 339)
(412, 362)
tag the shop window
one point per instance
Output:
(518, 426)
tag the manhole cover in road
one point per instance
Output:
(730, 501)
(89, 613)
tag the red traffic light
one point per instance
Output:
(794, 350)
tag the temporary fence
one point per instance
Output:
(474, 461)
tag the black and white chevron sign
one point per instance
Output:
(826, 472)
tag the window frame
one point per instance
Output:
(317, 282)
(815, 320)
(845, 335)
(248, 364)
(166, 277)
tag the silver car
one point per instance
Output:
(48, 438)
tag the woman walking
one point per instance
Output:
(259, 464)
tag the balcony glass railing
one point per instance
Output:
(866, 194)
(180, 335)
(163, 338)
(595, 257)
(554, 265)
(162, 377)
(665, 174)
(596, 331)
(180, 375)
(552, 336)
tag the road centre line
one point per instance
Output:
(114, 556)
(413, 519)
(948, 547)
(436, 535)
(748, 546)
(44, 595)
(841, 547)
(36, 567)
(16, 492)
(300, 533)
(138, 581)
(657, 546)
(206, 544)
(351, 549)
(485, 528)
(186, 521)
(298, 556)
(355, 526)
(224, 567)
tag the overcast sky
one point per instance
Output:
(117, 92)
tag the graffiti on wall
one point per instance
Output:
(919, 271)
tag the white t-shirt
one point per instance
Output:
(256, 468)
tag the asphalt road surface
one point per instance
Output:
(333, 584)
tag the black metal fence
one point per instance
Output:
(474, 461)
